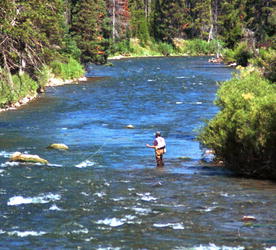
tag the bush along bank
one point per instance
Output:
(134, 47)
(243, 133)
(19, 89)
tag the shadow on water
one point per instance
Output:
(105, 192)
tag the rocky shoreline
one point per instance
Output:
(53, 82)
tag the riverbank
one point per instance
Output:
(52, 82)
(180, 47)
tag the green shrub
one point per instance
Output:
(22, 85)
(243, 132)
(165, 49)
(43, 75)
(266, 60)
(122, 47)
(69, 70)
(241, 54)
(228, 55)
(197, 47)
(71, 48)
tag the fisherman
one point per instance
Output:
(159, 146)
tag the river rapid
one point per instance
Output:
(105, 192)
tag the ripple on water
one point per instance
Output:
(176, 226)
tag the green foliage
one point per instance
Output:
(121, 48)
(43, 75)
(90, 28)
(139, 23)
(69, 70)
(31, 33)
(71, 48)
(22, 86)
(197, 47)
(241, 54)
(165, 49)
(266, 60)
(169, 20)
(243, 132)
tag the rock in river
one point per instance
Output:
(130, 126)
(17, 156)
(58, 146)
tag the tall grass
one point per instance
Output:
(22, 85)
(70, 69)
(136, 48)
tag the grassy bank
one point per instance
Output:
(16, 87)
(136, 48)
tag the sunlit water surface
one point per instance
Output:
(105, 192)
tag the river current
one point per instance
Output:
(105, 192)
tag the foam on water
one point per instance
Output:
(19, 200)
(146, 197)
(212, 246)
(81, 231)
(142, 211)
(85, 164)
(54, 207)
(175, 226)
(26, 233)
(100, 194)
(10, 164)
(113, 222)
(5, 154)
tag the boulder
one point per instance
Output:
(17, 156)
(59, 146)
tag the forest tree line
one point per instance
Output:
(34, 32)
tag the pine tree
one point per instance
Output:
(139, 20)
(260, 18)
(206, 18)
(31, 33)
(169, 20)
(231, 21)
(90, 27)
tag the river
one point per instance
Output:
(105, 192)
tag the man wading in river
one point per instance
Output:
(159, 145)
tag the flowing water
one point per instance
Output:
(105, 192)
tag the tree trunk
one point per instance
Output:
(8, 72)
(113, 19)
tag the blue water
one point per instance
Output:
(105, 192)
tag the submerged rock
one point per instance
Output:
(184, 158)
(130, 126)
(60, 146)
(248, 218)
(17, 156)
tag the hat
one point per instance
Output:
(157, 133)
